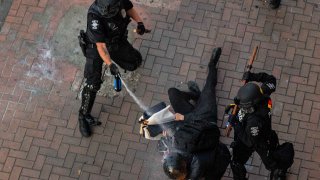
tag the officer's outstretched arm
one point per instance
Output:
(103, 52)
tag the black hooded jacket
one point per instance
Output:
(210, 164)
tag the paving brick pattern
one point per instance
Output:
(39, 136)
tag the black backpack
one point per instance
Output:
(196, 136)
(284, 155)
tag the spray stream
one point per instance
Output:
(140, 104)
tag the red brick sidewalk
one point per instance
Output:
(39, 136)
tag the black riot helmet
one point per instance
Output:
(175, 166)
(248, 97)
(108, 8)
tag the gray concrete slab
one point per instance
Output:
(4, 9)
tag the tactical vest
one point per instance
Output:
(263, 113)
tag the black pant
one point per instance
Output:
(124, 55)
(241, 154)
(221, 162)
(205, 107)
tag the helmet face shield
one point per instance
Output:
(108, 8)
(249, 97)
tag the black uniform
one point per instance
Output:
(208, 164)
(112, 31)
(253, 131)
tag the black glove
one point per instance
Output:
(140, 28)
(114, 69)
(246, 76)
(236, 100)
(232, 120)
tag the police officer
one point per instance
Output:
(209, 164)
(252, 126)
(106, 39)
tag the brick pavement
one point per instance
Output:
(39, 136)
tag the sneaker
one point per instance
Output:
(274, 4)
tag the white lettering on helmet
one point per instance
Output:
(271, 85)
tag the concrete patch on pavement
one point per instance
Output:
(167, 4)
(65, 40)
(4, 9)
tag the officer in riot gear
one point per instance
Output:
(252, 126)
(106, 39)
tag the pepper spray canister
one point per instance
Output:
(117, 83)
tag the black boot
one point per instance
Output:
(84, 126)
(274, 4)
(238, 170)
(215, 57)
(89, 93)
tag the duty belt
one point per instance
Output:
(90, 45)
